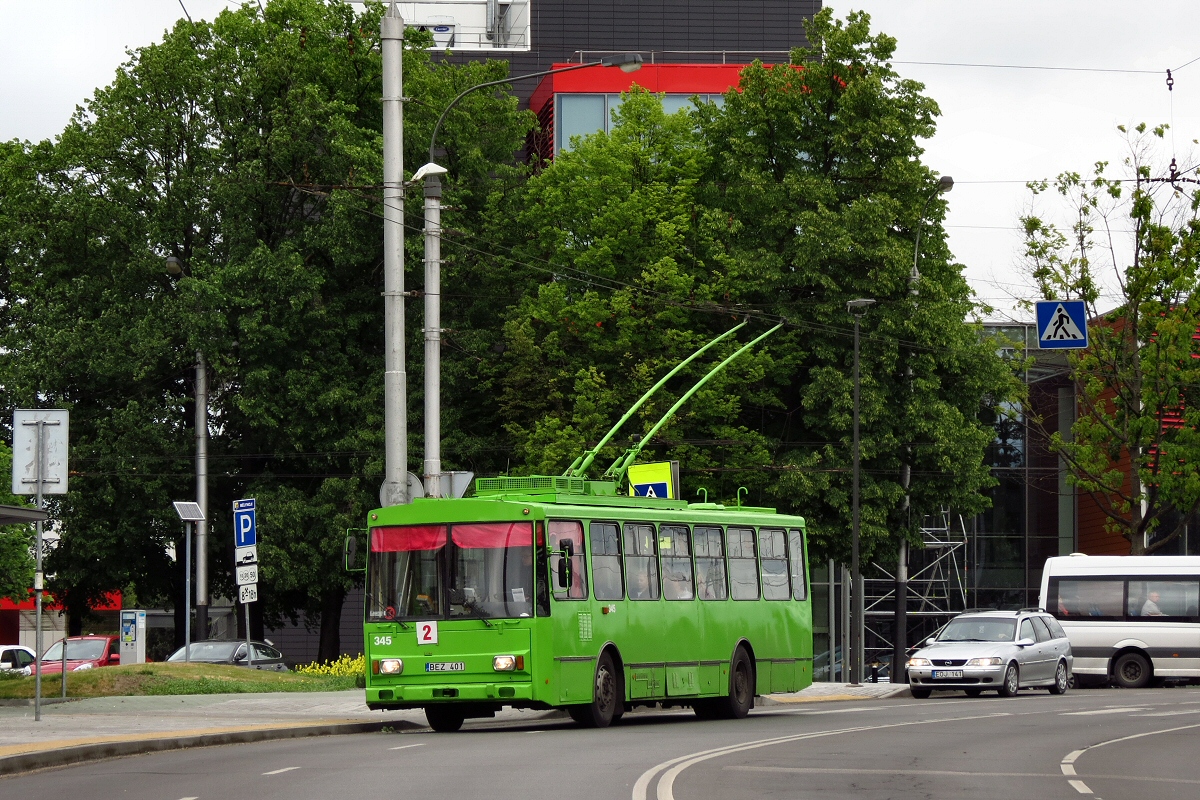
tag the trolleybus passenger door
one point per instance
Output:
(571, 619)
(644, 648)
(680, 618)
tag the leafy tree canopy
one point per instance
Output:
(1134, 447)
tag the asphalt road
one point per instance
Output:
(1103, 744)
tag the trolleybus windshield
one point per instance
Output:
(480, 570)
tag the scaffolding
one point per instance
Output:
(936, 590)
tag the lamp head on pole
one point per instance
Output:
(174, 266)
(945, 184)
(628, 62)
(428, 170)
(859, 307)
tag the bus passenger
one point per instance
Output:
(639, 589)
(1150, 608)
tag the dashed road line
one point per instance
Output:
(406, 746)
(1080, 787)
(277, 771)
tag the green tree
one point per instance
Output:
(802, 191)
(250, 149)
(1134, 446)
(16, 542)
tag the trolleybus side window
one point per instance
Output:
(568, 568)
(743, 566)
(797, 560)
(641, 561)
(673, 543)
(772, 551)
(710, 564)
(606, 561)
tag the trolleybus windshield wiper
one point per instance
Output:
(476, 613)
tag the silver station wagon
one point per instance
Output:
(1002, 651)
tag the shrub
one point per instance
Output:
(345, 666)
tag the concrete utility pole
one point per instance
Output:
(395, 382)
(857, 308)
(202, 496)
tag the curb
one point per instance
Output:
(66, 756)
(46, 701)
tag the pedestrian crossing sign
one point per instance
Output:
(1062, 324)
(653, 480)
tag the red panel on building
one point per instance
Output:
(670, 78)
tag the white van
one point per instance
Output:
(1130, 619)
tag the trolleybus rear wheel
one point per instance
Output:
(601, 712)
(444, 719)
(741, 687)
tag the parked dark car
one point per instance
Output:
(83, 652)
(221, 651)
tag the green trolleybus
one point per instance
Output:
(562, 592)
(543, 592)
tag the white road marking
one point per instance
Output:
(1170, 713)
(916, 772)
(277, 771)
(677, 765)
(1070, 759)
(1067, 769)
(189, 798)
(1119, 710)
(1080, 787)
(406, 746)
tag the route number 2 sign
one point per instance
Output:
(427, 632)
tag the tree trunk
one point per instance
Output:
(74, 620)
(330, 646)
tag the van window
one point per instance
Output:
(1089, 598)
(1163, 598)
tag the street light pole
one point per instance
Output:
(857, 308)
(395, 409)
(900, 637)
(431, 174)
(202, 496)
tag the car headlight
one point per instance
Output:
(82, 667)
(985, 662)
(389, 666)
(919, 662)
(504, 663)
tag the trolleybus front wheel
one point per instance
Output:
(606, 700)
(444, 719)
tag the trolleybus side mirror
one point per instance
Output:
(354, 552)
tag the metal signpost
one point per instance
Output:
(39, 468)
(189, 513)
(1062, 325)
(245, 543)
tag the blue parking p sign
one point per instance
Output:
(1062, 324)
(245, 532)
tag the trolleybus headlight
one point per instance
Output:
(390, 666)
(985, 662)
(918, 662)
(504, 663)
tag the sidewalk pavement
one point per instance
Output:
(106, 727)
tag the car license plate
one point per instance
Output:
(445, 666)
(947, 673)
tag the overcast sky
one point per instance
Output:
(999, 127)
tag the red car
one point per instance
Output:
(83, 652)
